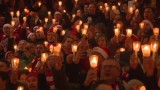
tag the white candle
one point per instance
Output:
(129, 32)
(15, 63)
(78, 28)
(156, 31)
(26, 68)
(60, 3)
(93, 61)
(51, 47)
(122, 49)
(44, 57)
(46, 20)
(74, 48)
(146, 50)
(114, 8)
(63, 32)
(73, 16)
(13, 23)
(24, 19)
(49, 13)
(116, 32)
(101, 8)
(136, 46)
(64, 11)
(12, 14)
(105, 4)
(142, 88)
(141, 25)
(20, 88)
(53, 21)
(154, 46)
(119, 4)
(130, 10)
(18, 14)
(107, 8)
(39, 4)
(46, 43)
(84, 31)
(15, 48)
(80, 22)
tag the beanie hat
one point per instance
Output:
(103, 51)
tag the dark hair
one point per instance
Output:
(99, 82)
(6, 62)
(4, 75)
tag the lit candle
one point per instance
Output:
(12, 14)
(78, 28)
(60, 3)
(86, 26)
(146, 50)
(44, 57)
(107, 8)
(116, 32)
(46, 43)
(136, 46)
(131, 10)
(46, 20)
(93, 61)
(55, 29)
(53, 21)
(119, 4)
(156, 31)
(13, 23)
(84, 31)
(105, 4)
(24, 19)
(142, 88)
(57, 49)
(129, 32)
(118, 26)
(136, 12)
(74, 48)
(15, 48)
(113, 7)
(39, 4)
(49, 13)
(41, 29)
(26, 10)
(141, 25)
(73, 16)
(122, 49)
(15, 63)
(76, 1)
(26, 68)
(51, 47)
(64, 11)
(80, 22)
(101, 8)
(18, 14)
(154, 46)
(63, 32)
(20, 88)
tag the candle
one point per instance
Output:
(119, 4)
(118, 26)
(156, 31)
(93, 61)
(44, 57)
(13, 23)
(41, 29)
(15, 48)
(63, 32)
(129, 32)
(154, 46)
(64, 11)
(116, 32)
(26, 68)
(60, 3)
(18, 14)
(26, 10)
(20, 88)
(136, 12)
(51, 47)
(57, 49)
(46, 20)
(74, 48)
(101, 8)
(105, 4)
(55, 29)
(46, 43)
(146, 50)
(107, 9)
(141, 25)
(122, 49)
(12, 14)
(39, 4)
(24, 19)
(80, 22)
(131, 10)
(142, 88)
(73, 16)
(84, 31)
(78, 28)
(15, 63)
(76, 1)
(136, 46)
(86, 26)
(53, 21)
(49, 13)
(113, 7)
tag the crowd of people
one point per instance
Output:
(79, 45)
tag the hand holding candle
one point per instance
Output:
(93, 61)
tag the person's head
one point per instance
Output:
(4, 65)
(92, 8)
(31, 37)
(32, 81)
(102, 41)
(40, 34)
(58, 16)
(17, 23)
(100, 28)
(22, 45)
(110, 70)
(31, 47)
(101, 85)
(3, 79)
(52, 37)
(67, 42)
(23, 75)
(85, 9)
(7, 29)
(148, 14)
(40, 48)
(134, 84)
(147, 26)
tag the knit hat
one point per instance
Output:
(103, 51)
(7, 53)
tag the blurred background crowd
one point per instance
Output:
(79, 45)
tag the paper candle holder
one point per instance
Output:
(146, 50)
(44, 57)
(93, 61)
(15, 63)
